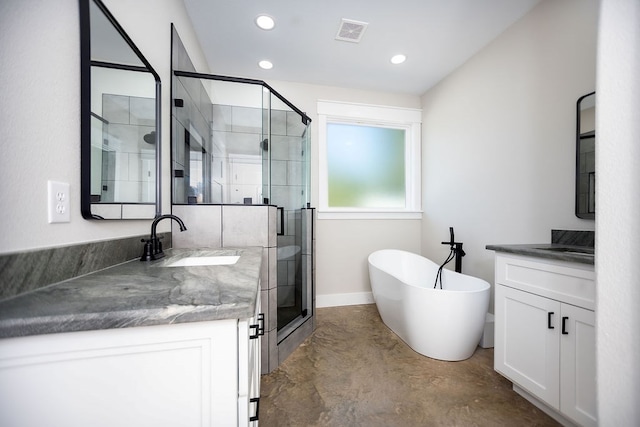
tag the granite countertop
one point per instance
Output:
(139, 293)
(559, 252)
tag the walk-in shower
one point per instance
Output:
(237, 141)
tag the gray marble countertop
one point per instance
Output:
(139, 293)
(559, 252)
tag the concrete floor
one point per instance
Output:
(353, 371)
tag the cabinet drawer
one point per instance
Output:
(563, 281)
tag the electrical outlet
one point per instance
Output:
(58, 202)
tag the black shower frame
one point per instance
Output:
(305, 119)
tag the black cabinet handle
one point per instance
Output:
(564, 326)
(549, 325)
(259, 327)
(254, 335)
(255, 400)
(261, 323)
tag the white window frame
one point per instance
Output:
(408, 119)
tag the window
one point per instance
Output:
(365, 166)
(369, 161)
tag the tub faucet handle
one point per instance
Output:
(453, 240)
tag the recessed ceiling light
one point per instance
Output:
(265, 65)
(265, 22)
(398, 59)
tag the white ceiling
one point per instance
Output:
(437, 36)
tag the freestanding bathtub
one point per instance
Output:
(444, 324)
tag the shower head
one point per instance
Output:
(150, 138)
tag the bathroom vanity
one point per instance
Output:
(545, 327)
(167, 342)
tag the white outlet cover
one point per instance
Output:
(58, 206)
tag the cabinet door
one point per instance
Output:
(526, 342)
(167, 375)
(578, 365)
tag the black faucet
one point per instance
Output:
(456, 250)
(153, 246)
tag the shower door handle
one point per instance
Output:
(281, 210)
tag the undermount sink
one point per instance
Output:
(570, 250)
(201, 261)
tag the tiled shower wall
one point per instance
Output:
(242, 126)
(287, 159)
(237, 153)
(128, 172)
(193, 116)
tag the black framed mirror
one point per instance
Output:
(586, 156)
(120, 121)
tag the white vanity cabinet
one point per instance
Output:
(545, 335)
(188, 374)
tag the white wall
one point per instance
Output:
(342, 246)
(499, 136)
(617, 218)
(40, 112)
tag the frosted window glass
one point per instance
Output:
(366, 166)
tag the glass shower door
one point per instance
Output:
(288, 154)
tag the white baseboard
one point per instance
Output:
(336, 300)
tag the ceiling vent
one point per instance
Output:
(351, 31)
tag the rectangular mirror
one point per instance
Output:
(120, 121)
(586, 157)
